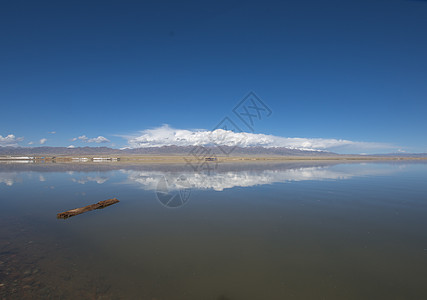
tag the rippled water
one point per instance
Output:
(300, 230)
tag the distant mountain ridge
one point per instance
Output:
(164, 150)
(400, 154)
(57, 151)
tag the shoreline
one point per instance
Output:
(176, 159)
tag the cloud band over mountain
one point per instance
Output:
(168, 136)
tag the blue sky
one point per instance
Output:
(352, 70)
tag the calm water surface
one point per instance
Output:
(260, 231)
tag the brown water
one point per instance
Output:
(285, 231)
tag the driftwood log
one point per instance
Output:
(78, 211)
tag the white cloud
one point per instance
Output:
(85, 139)
(52, 132)
(99, 139)
(167, 136)
(10, 141)
(30, 143)
(43, 141)
(71, 147)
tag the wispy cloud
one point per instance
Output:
(85, 139)
(43, 141)
(10, 141)
(52, 132)
(167, 136)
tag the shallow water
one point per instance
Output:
(299, 230)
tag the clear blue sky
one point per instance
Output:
(354, 70)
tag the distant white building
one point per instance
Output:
(80, 158)
(17, 158)
(105, 158)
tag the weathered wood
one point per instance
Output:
(78, 211)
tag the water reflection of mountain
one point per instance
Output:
(91, 167)
(226, 175)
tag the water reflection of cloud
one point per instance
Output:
(224, 180)
(7, 180)
(10, 178)
(86, 179)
